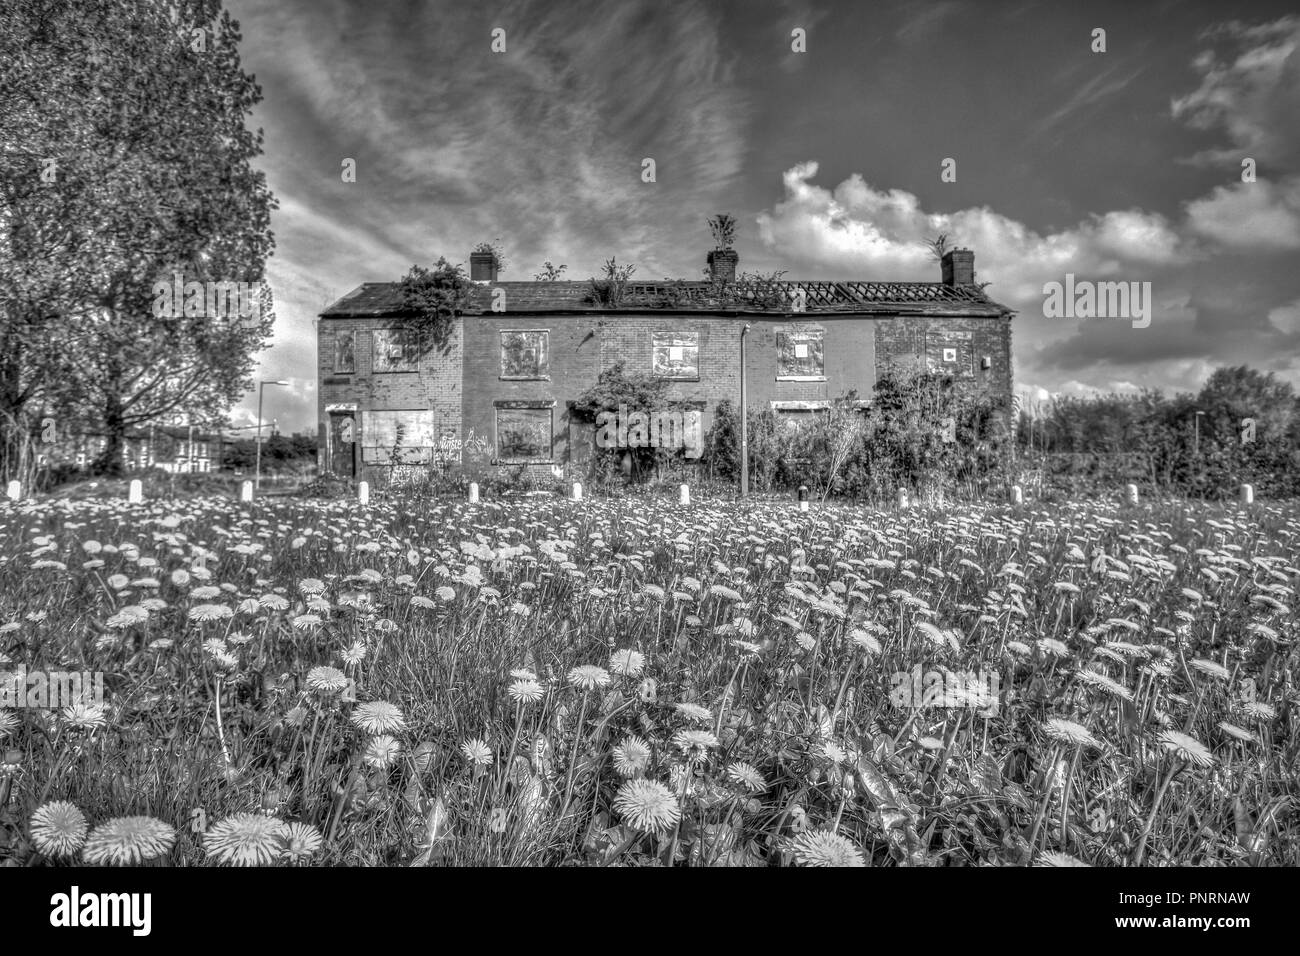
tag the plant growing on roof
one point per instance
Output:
(723, 227)
(549, 273)
(609, 290)
(433, 298)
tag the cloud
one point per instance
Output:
(1251, 93)
(1258, 215)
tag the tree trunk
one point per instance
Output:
(110, 461)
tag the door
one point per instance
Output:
(343, 444)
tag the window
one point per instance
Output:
(799, 355)
(524, 354)
(524, 431)
(677, 355)
(345, 352)
(397, 350)
(399, 436)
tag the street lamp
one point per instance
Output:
(1196, 440)
(744, 420)
(257, 475)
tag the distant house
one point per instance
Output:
(499, 393)
(174, 449)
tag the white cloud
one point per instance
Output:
(1259, 215)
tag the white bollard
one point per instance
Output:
(473, 492)
(14, 491)
(1017, 495)
(135, 494)
(803, 505)
(1247, 494)
(363, 492)
(1131, 492)
(246, 491)
(684, 495)
(577, 491)
(902, 498)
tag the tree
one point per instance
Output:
(434, 297)
(127, 160)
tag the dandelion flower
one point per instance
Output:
(631, 756)
(476, 752)
(1232, 730)
(523, 673)
(833, 752)
(326, 680)
(588, 677)
(1068, 732)
(696, 713)
(823, 848)
(1186, 747)
(1107, 684)
(688, 740)
(381, 752)
(355, 654)
(445, 594)
(209, 612)
(1056, 858)
(83, 716)
(748, 776)
(647, 805)
(244, 839)
(301, 841)
(1050, 645)
(58, 828)
(378, 717)
(304, 621)
(1259, 710)
(1212, 668)
(525, 691)
(8, 721)
(627, 663)
(126, 841)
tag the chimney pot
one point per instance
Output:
(483, 267)
(959, 267)
(722, 265)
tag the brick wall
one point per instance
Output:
(464, 383)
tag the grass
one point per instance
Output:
(1142, 659)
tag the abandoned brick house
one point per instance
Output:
(498, 394)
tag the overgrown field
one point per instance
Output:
(545, 682)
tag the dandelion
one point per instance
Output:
(695, 713)
(1051, 646)
(1232, 730)
(445, 594)
(525, 691)
(301, 841)
(381, 752)
(1258, 709)
(476, 752)
(1056, 858)
(82, 716)
(627, 663)
(1209, 667)
(1186, 747)
(305, 621)
(631, 756)
(1070, 733)
(126, 841)
(378, 717)
(823, 848)
(865, 640)
(355, 654)
(647, 805)
(748, 776)
(244, 839)
(209, 612)
(58, 828)
(326, 680)
(833, 752)
(8, 721)
(523, 673)
(689, 740)
(1106, 684)
(588, 677)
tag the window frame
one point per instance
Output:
(543, 373)
(668, 376)
(374, 351)
(794, 334)
(518, 405)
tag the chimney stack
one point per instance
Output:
(483, 266)
(959, 267)
(722, 265)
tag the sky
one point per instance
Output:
(1122, 165)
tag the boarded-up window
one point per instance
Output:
(524, 434)
(397, 350)
(799, 353)
(401, 436)
(677, 355)
(952, 352)
(345, 352)
(524, 354)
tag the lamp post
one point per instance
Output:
(257, 473)
(1196, 440)
(744, 420)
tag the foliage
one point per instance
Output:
(549, 273)
(126, 156)
(723, 228)
(494, 247)
(610, 290)
(434, 298)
